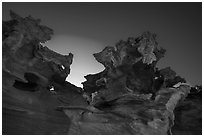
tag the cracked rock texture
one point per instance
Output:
(130, 96)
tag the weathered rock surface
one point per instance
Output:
(130, 70)
(30, 70)
(131, 96)
(188, 114)
(23, 51)
(128, 114)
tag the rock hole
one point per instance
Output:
(31, 85)
(62, 67)
(52, 88)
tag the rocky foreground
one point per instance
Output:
(130, 96)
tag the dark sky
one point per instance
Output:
(86, 28)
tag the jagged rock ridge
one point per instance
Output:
(131, 80)
(131, 96)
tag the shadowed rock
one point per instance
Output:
(130, 69)
(29, 70)
(128, 114)
(23, 51)
(130, 96)
(188, 114)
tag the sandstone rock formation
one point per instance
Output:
(23, 51)
(30, 73)
(130, 96)
(132, 87)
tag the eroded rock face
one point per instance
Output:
(131, 62)
(130, 96)
(23, 51)
(133, 89)
(128, 114)
(34, 80)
